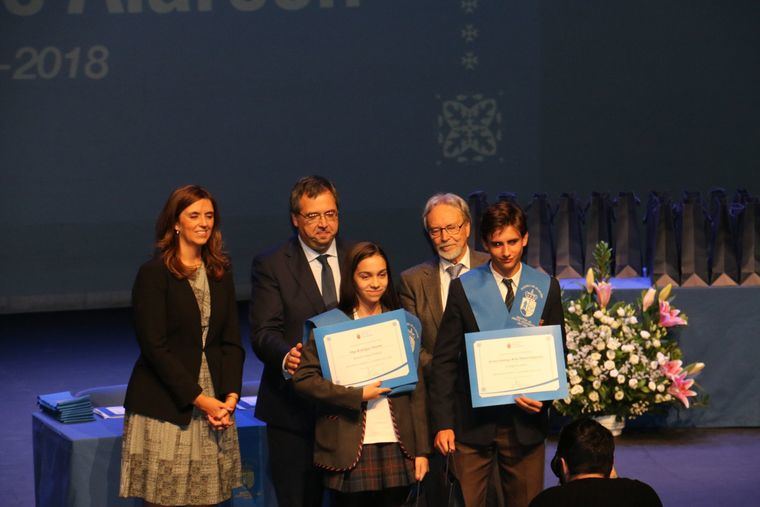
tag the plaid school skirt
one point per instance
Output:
(380, 466)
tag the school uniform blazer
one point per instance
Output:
(341, 416)
(451, 403)
(167, 321)
(283, 295)
(420, 294)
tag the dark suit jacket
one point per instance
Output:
(420, 294)
(341, 414)
(283, 295)
(451, 403)
(164, 380)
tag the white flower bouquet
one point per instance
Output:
(622, 358)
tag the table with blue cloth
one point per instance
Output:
(79, 464)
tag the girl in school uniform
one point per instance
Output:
(371, 446)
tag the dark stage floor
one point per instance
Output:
(50, 352)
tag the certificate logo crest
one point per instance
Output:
(413, 336)
(528, 303)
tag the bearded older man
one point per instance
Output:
(425, 287)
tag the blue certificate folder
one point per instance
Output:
(399, 373)
(67, 408)
(509, 367)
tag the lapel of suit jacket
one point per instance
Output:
(431, 285)
(303, 275)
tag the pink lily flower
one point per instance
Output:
(680, 389)
(672, 369)
(648, 299)
(603, 293)
(669, 316)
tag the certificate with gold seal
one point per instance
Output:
(358, 352)
(508, 363)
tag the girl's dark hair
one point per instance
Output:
(167, 240)
(348, 297)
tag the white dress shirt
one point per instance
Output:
(443, 264)
(378, 427)
(502, 286)
(316, 266)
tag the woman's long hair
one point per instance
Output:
(167, 239)
(348, 297)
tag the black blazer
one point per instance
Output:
(341, 416)
(451, 403)
(164, 380)
(283, 295)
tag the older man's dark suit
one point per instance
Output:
(283, 295)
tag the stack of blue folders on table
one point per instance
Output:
(67, 408)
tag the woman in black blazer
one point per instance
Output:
(180, 446)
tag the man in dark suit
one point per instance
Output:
(511, 436)
(289, 284)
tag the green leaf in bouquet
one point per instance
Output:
(602, 259)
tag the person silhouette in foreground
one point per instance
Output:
(584, 464)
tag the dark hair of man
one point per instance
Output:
(587, 447)
(348, 298)
(167, 239)
(499, 215)
(311, 187)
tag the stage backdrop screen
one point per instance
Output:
(108, 105)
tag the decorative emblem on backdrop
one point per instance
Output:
(469, 6)
(470, 60)
(470, 33)
(469, 128)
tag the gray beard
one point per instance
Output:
(450, 256)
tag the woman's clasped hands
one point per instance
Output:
(218, 413)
